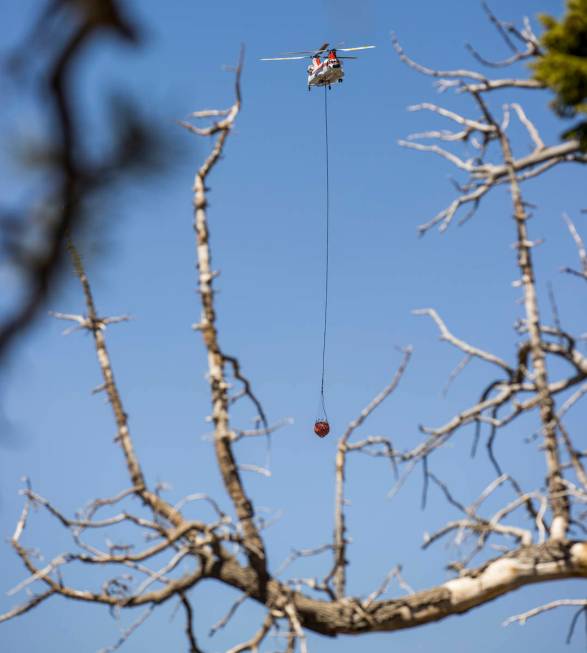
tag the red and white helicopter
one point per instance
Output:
(322, 72)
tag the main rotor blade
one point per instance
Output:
(282, 58)
(361, 47)
(346, 57)
(322, 49)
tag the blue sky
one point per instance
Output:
(266, 217)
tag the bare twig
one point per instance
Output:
(301, 553)
(524, 616)
(580, 248)
(33, 602)
(529, 125)
(129, 631)
(445, 334)
(253, 643)
(455, 372)
(393, 573)
(189, 625)
(221, 623)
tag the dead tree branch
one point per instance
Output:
(217, 360)
(580, 248)
(523, 618)
(338, 572)
(169, 554)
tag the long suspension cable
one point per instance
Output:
(327, 254)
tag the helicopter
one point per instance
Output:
(322, 72)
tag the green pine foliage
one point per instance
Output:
(563, 67)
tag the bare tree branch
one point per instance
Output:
(189, 626)
(253, 643)
(217, 360)
(529, 125)
(525, 36)
(338, 572)
(129, 631)
(33, 602)
(393, 573)
(559, 501)
(445, 334)
(483, 83)
(166, 554)
(523, 617)
(580, 247)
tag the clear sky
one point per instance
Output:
(266, 216)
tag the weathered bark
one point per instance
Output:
(553, 560)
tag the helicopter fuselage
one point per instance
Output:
(328, 72)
